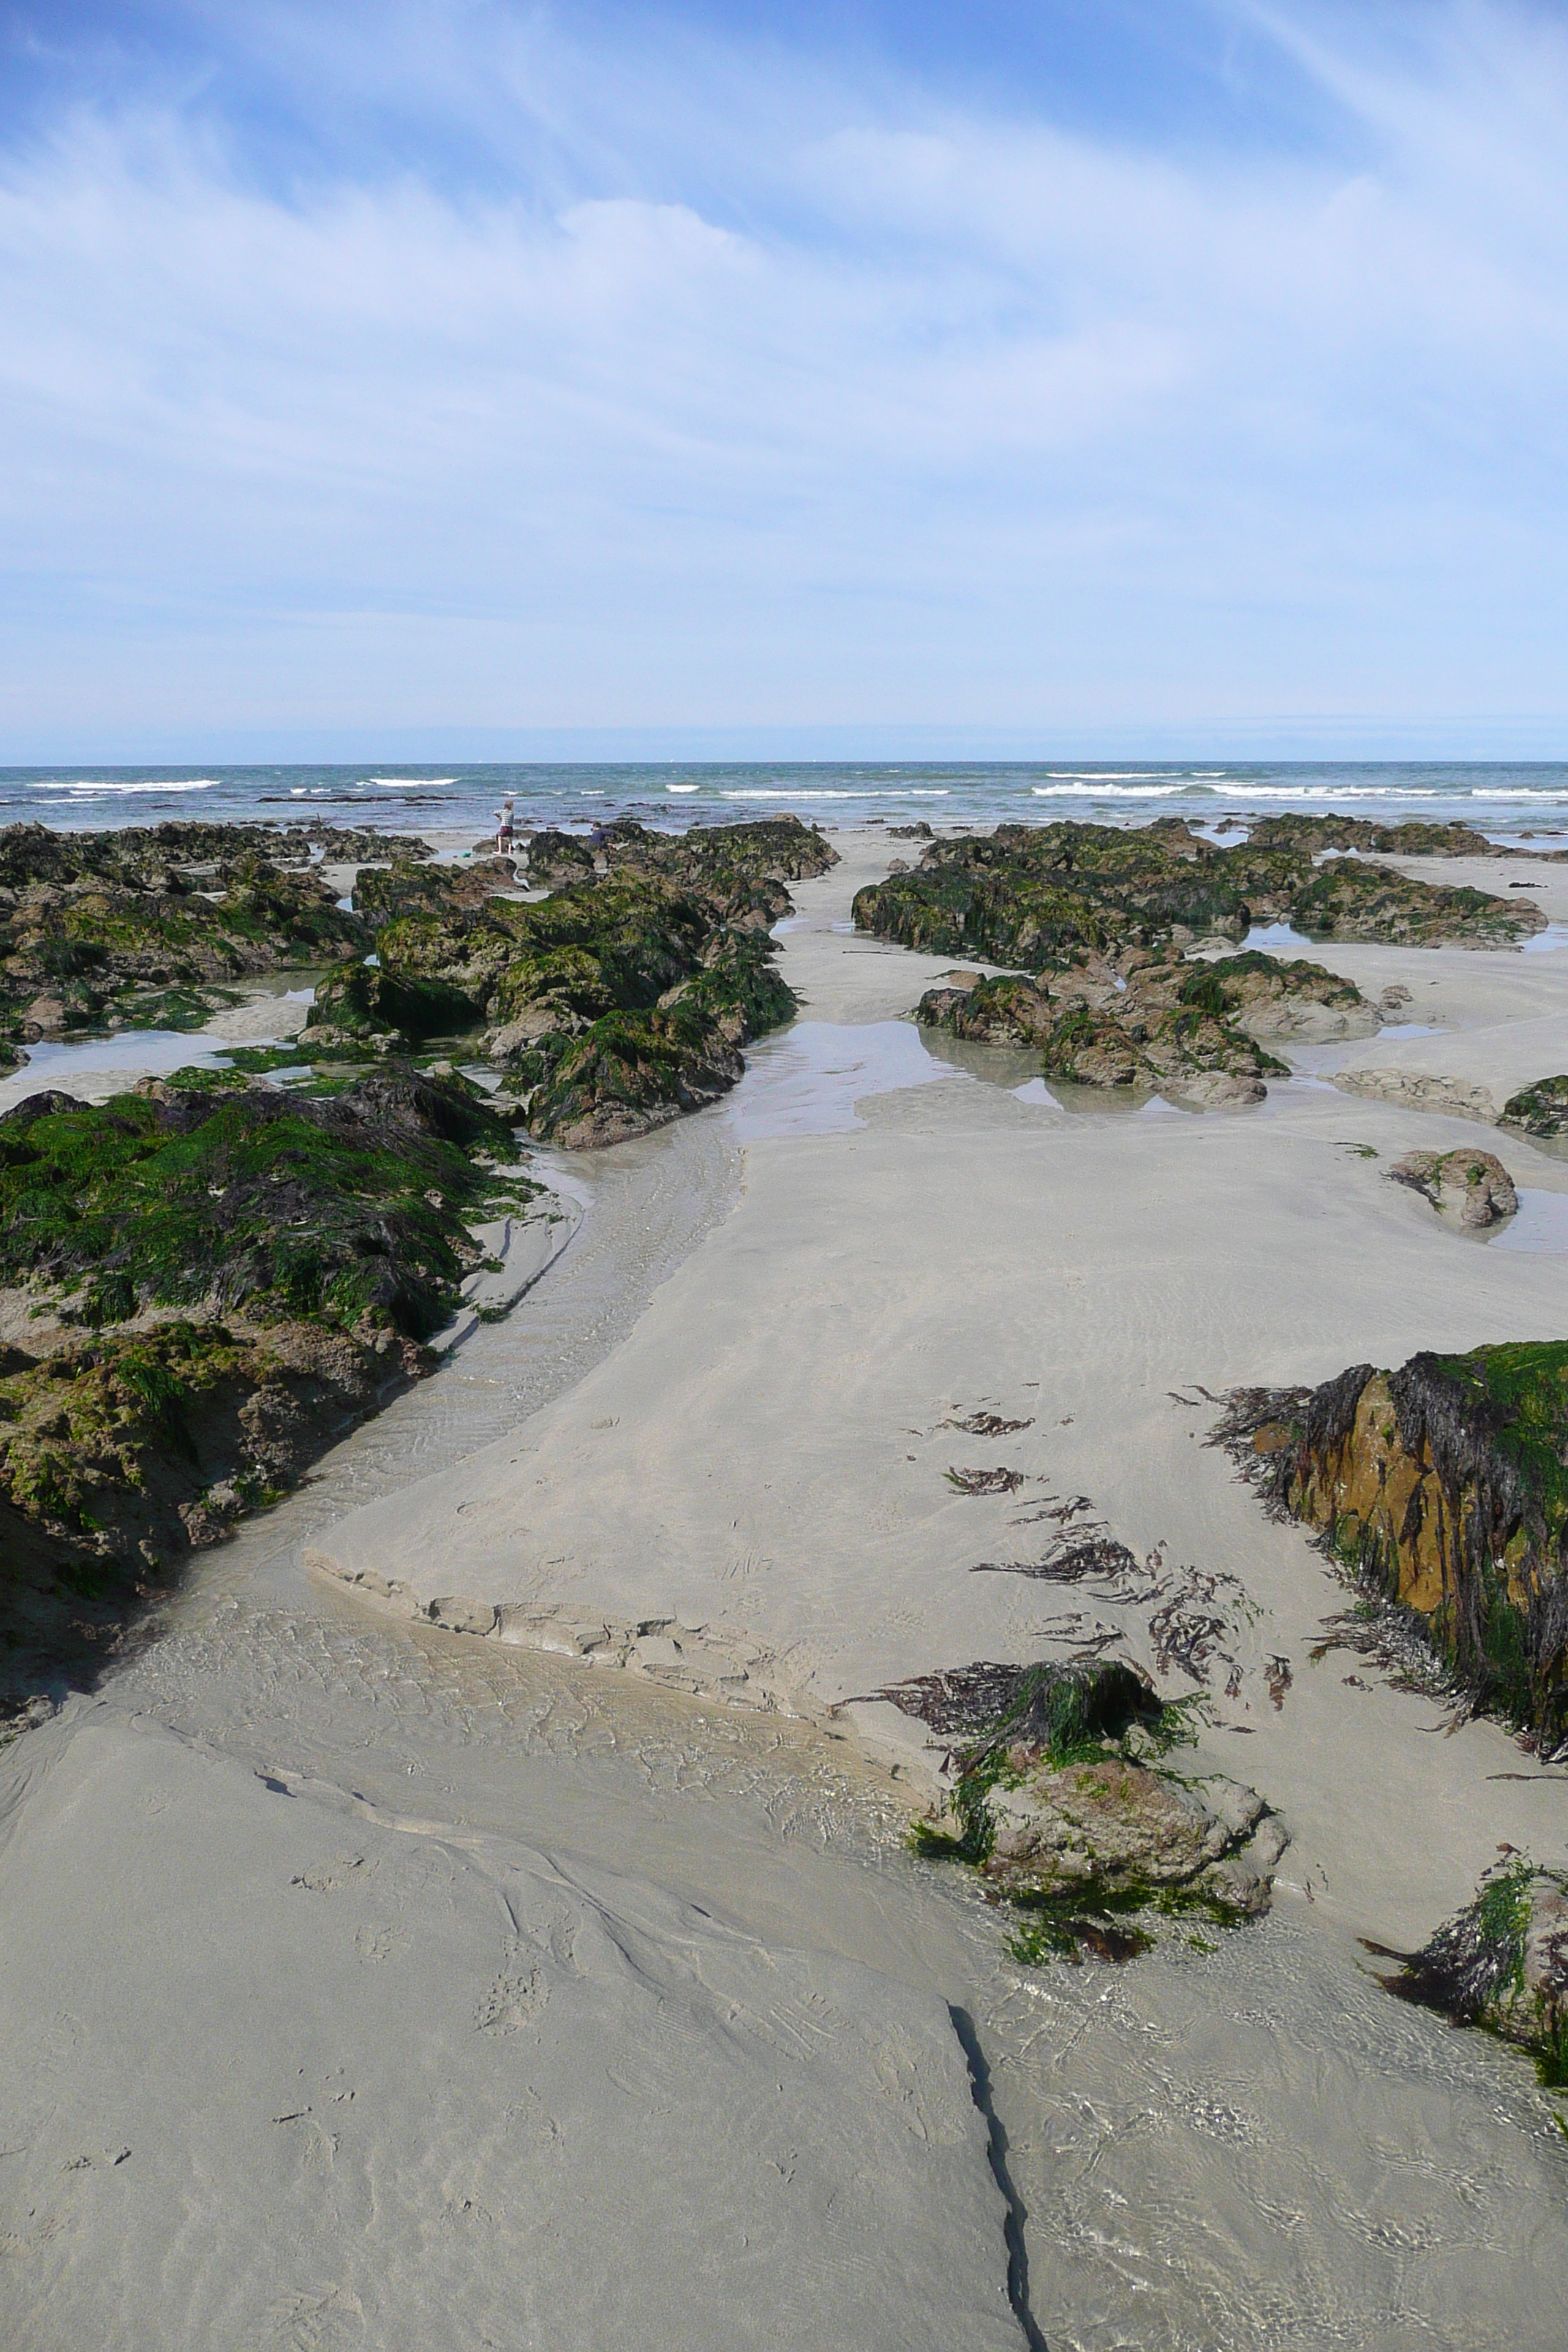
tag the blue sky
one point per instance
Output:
(1015, 378)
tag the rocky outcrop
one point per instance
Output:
(381, 893)
(1149, 1021)
(1539, 1109)
(359, 1002)
(123, 950)
(1502, 1963)
(1065, 1810)
(1473, 1187)
(1442, 1487)
(1417, 1090)
(1047, 896)
(1416, 838)
(224, 1278)
(618, 1003)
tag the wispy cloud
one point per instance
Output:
(678, 379)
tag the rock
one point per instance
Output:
(1473, 1186)
(1062, 1809)
(45, 1017)
(1120, 1825)
(1502, 1963)
(1222, 1090)
(1440, 1487)
(1044, 897)
(1416, 1091)
(11, 1057)
(1539, 1109)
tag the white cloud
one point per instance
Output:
(790, 398)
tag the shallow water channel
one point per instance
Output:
(1247, 2146)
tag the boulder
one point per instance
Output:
(1503, 1962)
(1539, 1109)
(1473, 1186)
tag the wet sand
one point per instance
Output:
(457, 1989)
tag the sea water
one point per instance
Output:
(1510, 800)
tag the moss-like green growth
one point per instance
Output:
(1044, 898)
(1539, 1109)
(351, 1209)
(629, 1070)
(367, 1000)
(103, 939)
(381, 894)
(1060, 1805)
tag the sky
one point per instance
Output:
(468, 377)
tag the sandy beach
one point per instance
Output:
(482, 1915)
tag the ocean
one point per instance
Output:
(1509, 801)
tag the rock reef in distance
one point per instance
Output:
(613, 1004)
(1044, 898)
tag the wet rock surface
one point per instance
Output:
(151, 929)
(1156, 1021)
(1539, 1109)
(617, 1002)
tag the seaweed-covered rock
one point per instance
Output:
(1539, 1109)
(381, 893)
(87, 951)
(629, 1072)
(1443, 1486)
(225, 1277)
(1010, 1010)
(352, 1207)
(361, 1001)
(1051, 895)
(1061, 1805)
(1348, 899)
(1416, 837)
(1502, 1963)
(617, 1002)
(1473, 1186)
(1166, 1026)
(1047, 897)
(1271, 997)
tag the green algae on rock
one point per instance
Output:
(619, 1001)
(124, 948)
(1502, 1964)
(1063, 1805)
(353, 1207)
(1156, 1021)
(1538, 1109)
(1442, 1488)
(222, 1277)
(1047, 896)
